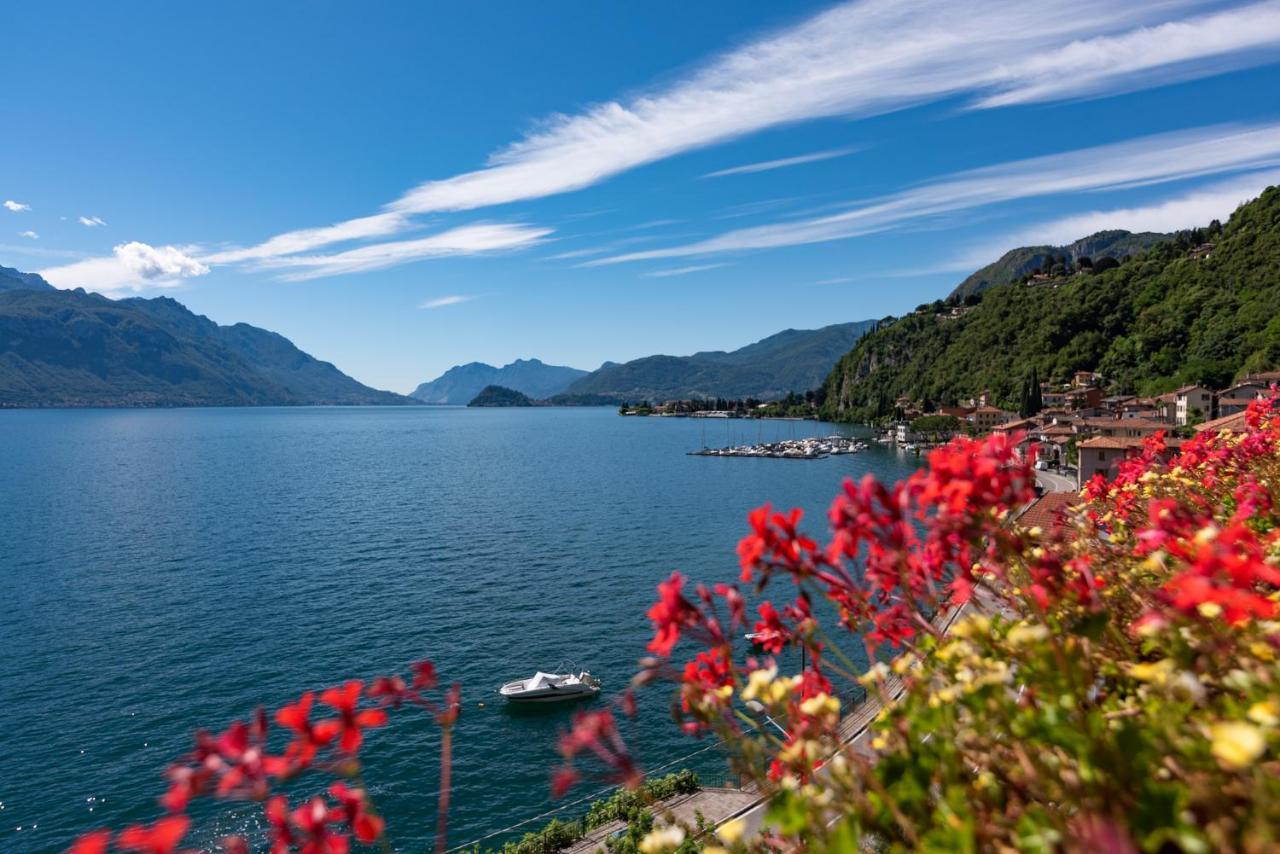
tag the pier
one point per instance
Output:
(789, 449)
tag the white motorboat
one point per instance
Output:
(550, 687)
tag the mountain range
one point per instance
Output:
(459, 385)
(1199, 307)
(1016, 263)
(793, 360)
(71, 348)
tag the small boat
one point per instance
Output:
(550, 687)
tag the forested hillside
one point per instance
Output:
(1160, 319)
(1017, 263)
(71, 348)
(792, 360)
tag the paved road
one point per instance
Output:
(1054, 482)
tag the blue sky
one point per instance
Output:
(402, 187)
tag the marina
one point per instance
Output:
(789, 449)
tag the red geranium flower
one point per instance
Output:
(160, 838)
(350, 721)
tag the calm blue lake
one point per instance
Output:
(164, 570)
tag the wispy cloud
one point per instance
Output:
(441, 302)
(464, 240)
(30, 235)
(1188, 210)
(680, 271)
(855, 60)
(1148, 160)
(579, 253)
(751, 208)
(16, 207)
(1151, 55)
(783, 163)
(132, 266)
(91, 221)
(39, 251)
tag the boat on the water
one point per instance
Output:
(551, 687)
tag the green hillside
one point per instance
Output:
(1017, 263)
(496, 395)
(791, 360)
(1158, 320)
(71, 348)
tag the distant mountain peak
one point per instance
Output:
(12, 280)
(791, 360)
(71, 348)
(460, 385)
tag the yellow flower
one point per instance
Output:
(1023, 634)
(1262, 651)
(731, 831)
(903, 663)
(758, 682)
(662, 839)
(1236, 744)
(876, 674)
(1157, 673)
(1209, 610)
(782, 688)
(1266, 713)
(973, 626)
(820, 704)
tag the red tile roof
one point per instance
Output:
(1047, 510)
(1118, 443)
(1230, 423)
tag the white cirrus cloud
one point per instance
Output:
(1187, 210)
(30, 235)
(442, 302)
(16, 207)
(854, 60)
(783, 162)
(364, 228)
(474, 239)
(91, 221)
(132, 266)
(1159, 158)
(680, 271)
(1160, 54)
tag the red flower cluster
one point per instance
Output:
(162, 837)
(596, 732)
(239, 763)
(1219, 567)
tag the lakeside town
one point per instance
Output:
(1079, 429)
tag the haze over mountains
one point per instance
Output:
(792, 360)
(459, 385)
(71, 348)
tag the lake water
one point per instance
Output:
(165, 570)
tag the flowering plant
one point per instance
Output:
(1107, 682)
(241, 764)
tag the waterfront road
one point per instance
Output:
(1052, 481)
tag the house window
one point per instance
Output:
(1102, 456)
